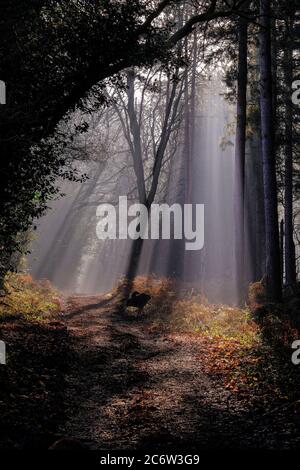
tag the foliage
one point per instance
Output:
(256, 295)
(34, 300)
(57, 56)
(51, 55)
(190, 311)
(252, 358)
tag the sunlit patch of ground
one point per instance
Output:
(252, 357)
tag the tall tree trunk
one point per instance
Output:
(240, 151)
(273, 272)
(281, 235)
(184, 257)
(289, 246)
(255, 229)
(171, 109)
(137, 153)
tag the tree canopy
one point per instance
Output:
(52, 54)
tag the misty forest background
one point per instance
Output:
(171, 101)
(119, 95)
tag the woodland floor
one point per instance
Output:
(115, 382)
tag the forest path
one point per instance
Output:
(132, 387)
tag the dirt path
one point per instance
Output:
(132, 388)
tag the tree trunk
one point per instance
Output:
(137, 153)
(240, 150)
(172, 104)
(281, 236)
(273, 272)
(289, 246)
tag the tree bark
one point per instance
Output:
(240, 151)
(137, 153)
(273, 272)
(289, 246)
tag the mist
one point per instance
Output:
(67, 251)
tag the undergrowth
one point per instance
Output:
(251, 356)
(29, 298)
(189, 311)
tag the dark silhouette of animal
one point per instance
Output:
(138, 300)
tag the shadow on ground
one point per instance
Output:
(137, 389)
(124, 386)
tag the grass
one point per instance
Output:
(31, 299)
(189, 311)
(244, 352)
(250, 356)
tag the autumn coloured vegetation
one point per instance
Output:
(32, 300)
(239, 346)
